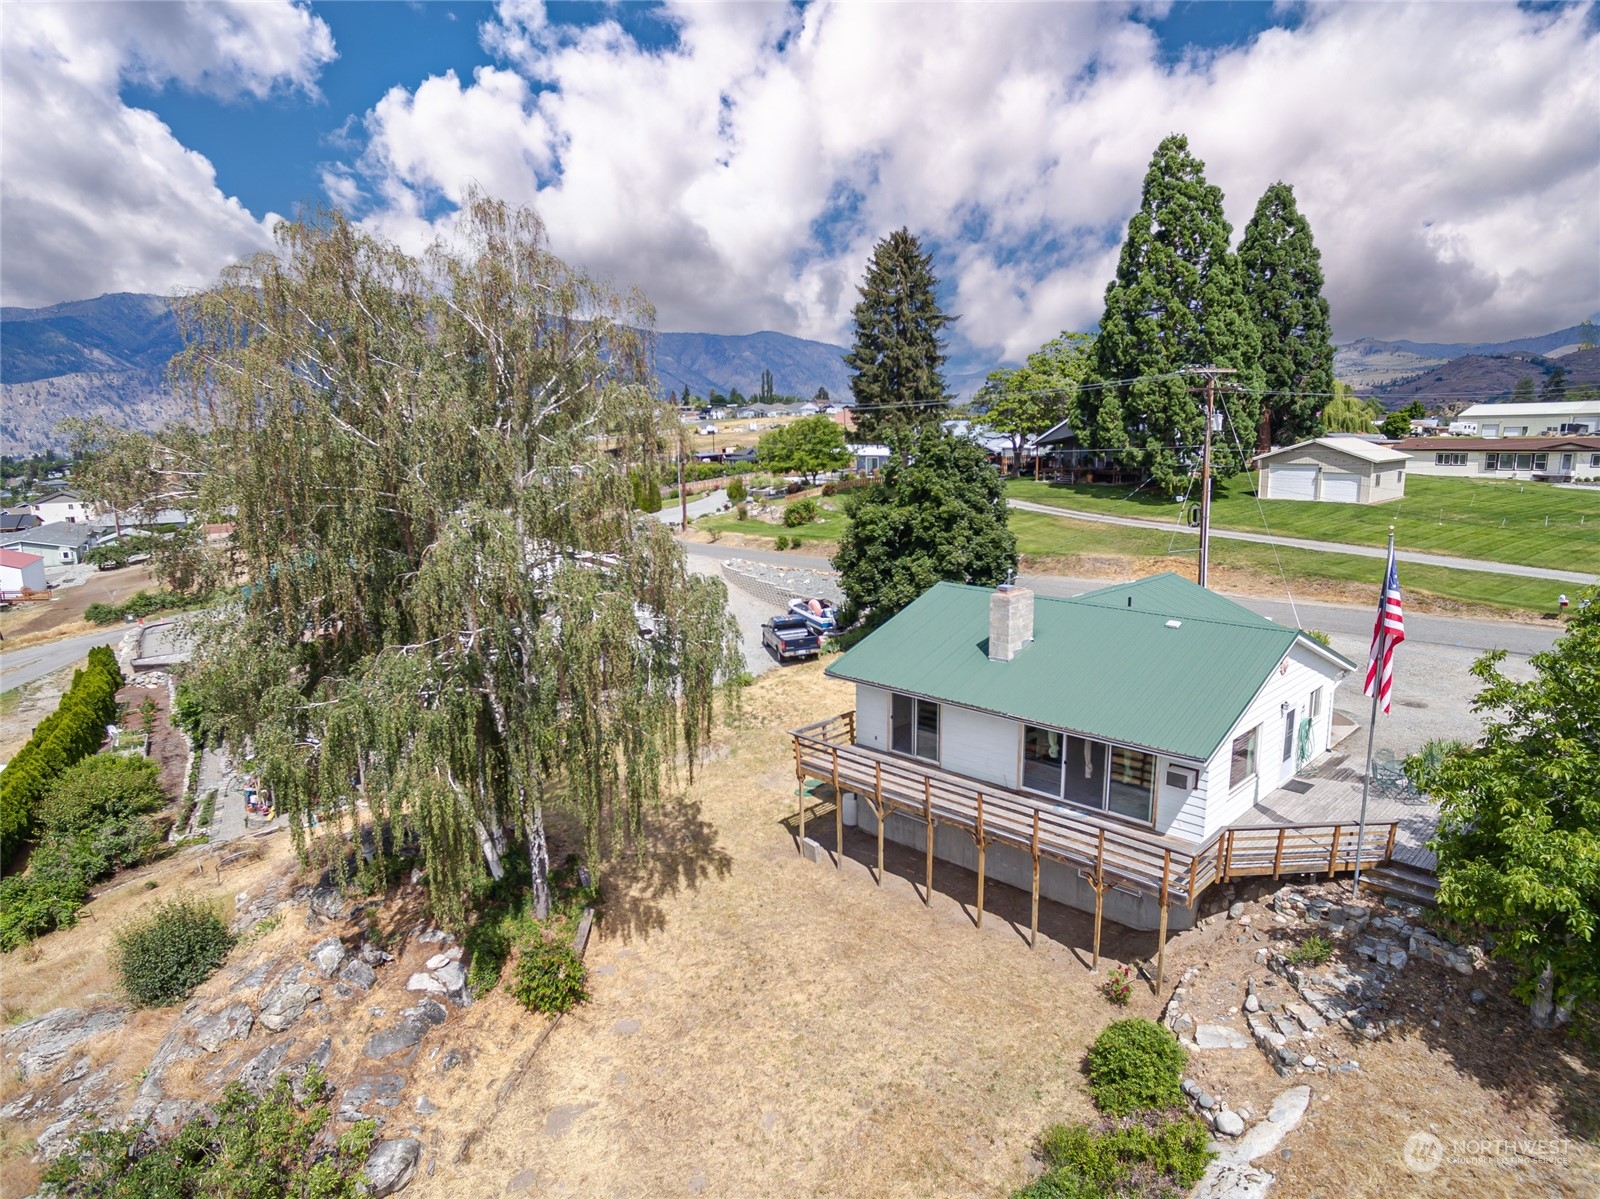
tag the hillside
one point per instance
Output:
(1485, 378)
(107, 357)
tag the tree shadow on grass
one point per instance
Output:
(678, 851)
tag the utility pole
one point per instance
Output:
(683, 496)
(1211, 373)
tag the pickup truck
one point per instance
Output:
(790, 637)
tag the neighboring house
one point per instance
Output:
(1576, 418)
(1126, 729)
(17, 521)
(1553, 459)
(869, 459)
(808, 409)
(64, 505)
(20, 572)
(60, 544)
(1335, 470)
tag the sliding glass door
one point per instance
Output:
(1089, 773)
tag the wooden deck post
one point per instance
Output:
(800, 792)
(1277, 856)
(1033, 937)
(877, 792)
(850, 725)
(1333, 851)
(1388, 850)
(1161, 947)
(980, 841)
(927, 817)
(838, 815)
(1098, 882)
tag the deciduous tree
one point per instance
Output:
(1519, 825)
(1178, 301)
(938, 513)
(1025, 401)
(1283, 286)
(455, 617)
(897, 361)
(808, 447)
(1349, 413)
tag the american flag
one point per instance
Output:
(1388, 632)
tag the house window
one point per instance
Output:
(1316, 703)
(1085, 775)
(1129, 792)
(1243, 765)
(1594, 459)
(915, 727)
(1043, 753)
(1449, 459)
(1288, 734)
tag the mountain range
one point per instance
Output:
(107, 357)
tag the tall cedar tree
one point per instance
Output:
(897, 362)
(1177, 301)
(455, 617)
(1283, 284)
(939, 513)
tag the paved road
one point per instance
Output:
(702, 505)
(1575, 577)
(35, 661)
(1339, 619)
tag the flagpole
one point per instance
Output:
(1372, 728)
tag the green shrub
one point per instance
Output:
(277, 1145)
(742, 512)
(830, 488)
(99, 788)
(98, 613)
(164, 957)
(550, 978)
(801, 513)
(782, 542)
(36, 903)
(188, 714)
(1313, 951)
(737, 491)
(488, 945)
(1319, 637)
(208, 809)
(1123, 1159)
(1135, 1065)
(69, 734)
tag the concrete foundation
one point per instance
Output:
(1014, 867)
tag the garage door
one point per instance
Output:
(1341, 489)
(1292, 483)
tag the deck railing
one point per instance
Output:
(1107, 853)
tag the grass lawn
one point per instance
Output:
(1053, 542)
(1526, 524)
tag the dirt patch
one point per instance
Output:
(168, 746)
(62, 614)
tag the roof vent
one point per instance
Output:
(1174, 624)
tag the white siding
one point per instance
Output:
(1189, 820)
(872, 717)
(979, 745)
(1304, 673)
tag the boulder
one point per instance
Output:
(452, 976)
(426, 983)
(286, 1003)
(392, 1165)
(1219, 1036)
(41, 1043)
(232, 1023)
(329, 954)
(358, 974)
(1229, 1123)
(257, 1074)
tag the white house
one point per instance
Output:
(1576, 418)
(59, 544)
(1554, 459)
(20, 572)
(63, 506)
(869, 459)
(1334, 469)
(1151, 715)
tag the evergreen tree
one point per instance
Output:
(1178, 301)
(1283, 286)
(455, 617)
(897, 362)
(1522, 390)
(1555, 386)
(938, 513)
(766, 387)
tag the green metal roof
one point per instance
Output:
(1097, 665)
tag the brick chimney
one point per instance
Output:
(1010, 621)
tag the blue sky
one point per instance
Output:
(739, 161)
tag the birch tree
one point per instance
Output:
(454, 619)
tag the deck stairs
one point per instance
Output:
(1414, 884)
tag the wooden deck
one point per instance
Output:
(1108, 853)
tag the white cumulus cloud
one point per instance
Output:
(98, 196)
(1447, 156)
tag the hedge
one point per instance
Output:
(68, 735)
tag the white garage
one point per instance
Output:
(1335, 470)
(20, 572)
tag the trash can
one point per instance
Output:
(848, 803)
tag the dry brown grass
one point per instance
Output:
(62, 615)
